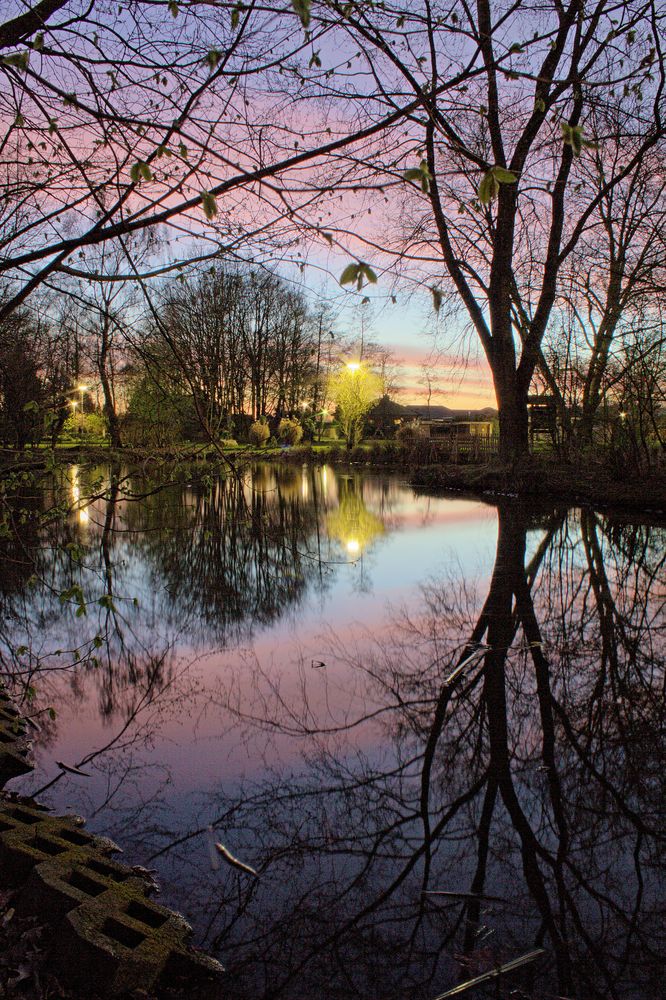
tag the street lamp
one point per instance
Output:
(82, 389)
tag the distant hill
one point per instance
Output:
(445, 413)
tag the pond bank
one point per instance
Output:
(536, 478)
(594, 486)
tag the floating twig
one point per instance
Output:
(73, 770)
(486, 977)
(234, 862)
(464, 895)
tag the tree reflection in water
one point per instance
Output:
(506, 747)
(530, 783)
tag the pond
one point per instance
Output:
(433, 726)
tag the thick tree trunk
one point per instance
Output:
(514, 443)
(111, 415)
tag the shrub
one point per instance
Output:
(410, 433)
(289, 431)
(89, 425)
(359, 454)
(259, 433)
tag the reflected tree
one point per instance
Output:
(493, 786)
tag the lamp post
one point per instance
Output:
(82, 389)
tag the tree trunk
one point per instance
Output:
(109, 401)
(109, 405)
(514, 443)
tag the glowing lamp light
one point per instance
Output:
(353, 547)
(353, 366)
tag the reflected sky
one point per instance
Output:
(371, 697)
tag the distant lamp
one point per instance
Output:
(353, 366)
(623, 415)
(353, 547)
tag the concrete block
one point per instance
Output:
(110, 939)
(29, 836)
(15, 746)
(137, 943)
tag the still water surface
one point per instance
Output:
(373, 698)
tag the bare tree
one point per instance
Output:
(507, 116)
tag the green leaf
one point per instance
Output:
(38, 41)
(52, 714)
(350, 274)
(420, 174)
(173, 8)
(19, 121)
(315, 60)
(213, 57)
(329, 238)
(140, 171)
(436, 298)
(19, 60)
(368, 273)
(572, 135)
(488, 188)
(540, 104)
(31, 407)
(235, 17)
(209, 205)
(400, 23)
(302, 8)
(504, 176)
(426, 177)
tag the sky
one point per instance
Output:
(409, 328)
(457, 383)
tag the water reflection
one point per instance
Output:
(351, 523)
(481, 775)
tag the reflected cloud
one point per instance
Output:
(423, 801)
